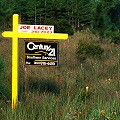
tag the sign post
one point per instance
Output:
(15, 34)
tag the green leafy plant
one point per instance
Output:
(88, 49)
(116, 38)
(4, 91)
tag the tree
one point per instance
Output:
(21, 9)
(102, 21)
(63, 26)
(86, 13)
(5, 14)
(60, 25)
(114, 14)
(80, 12)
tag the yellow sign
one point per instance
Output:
(15, 35)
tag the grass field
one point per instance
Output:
(67, 98)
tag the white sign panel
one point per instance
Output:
(36, 28)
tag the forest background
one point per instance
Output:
(100, 15)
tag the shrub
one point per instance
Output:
(116, 38)
(90, 49)
(4, 91)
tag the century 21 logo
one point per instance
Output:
(32, 46)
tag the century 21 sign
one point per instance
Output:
(41, 53)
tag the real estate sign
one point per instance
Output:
(41, 53)
(33, 49)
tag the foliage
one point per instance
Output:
(101, 21)
(5, 15)
(60, 25)
(114, 14)
(85, 11)
(116, 38)
(88, 49)
(64, 27)
(50, 21)
(98, 15)
(4, 91)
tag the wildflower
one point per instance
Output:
(117, 93)
(106, 80)
(81, 113)
(102, 112)
(109, 80)
(1, 109)
(113, 113)
(8, 101)
(87, 89)
(81, 65)
(67, 73)
(75, 45)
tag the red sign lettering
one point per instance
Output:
(25, 27)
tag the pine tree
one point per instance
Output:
(114, 14)
(5, 14)
(102, 22)
(81, 12)
(20, 8)
(86, 13)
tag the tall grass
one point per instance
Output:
(72, 102)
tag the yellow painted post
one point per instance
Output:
(36, 35)
(15, 35)
(15, 62)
